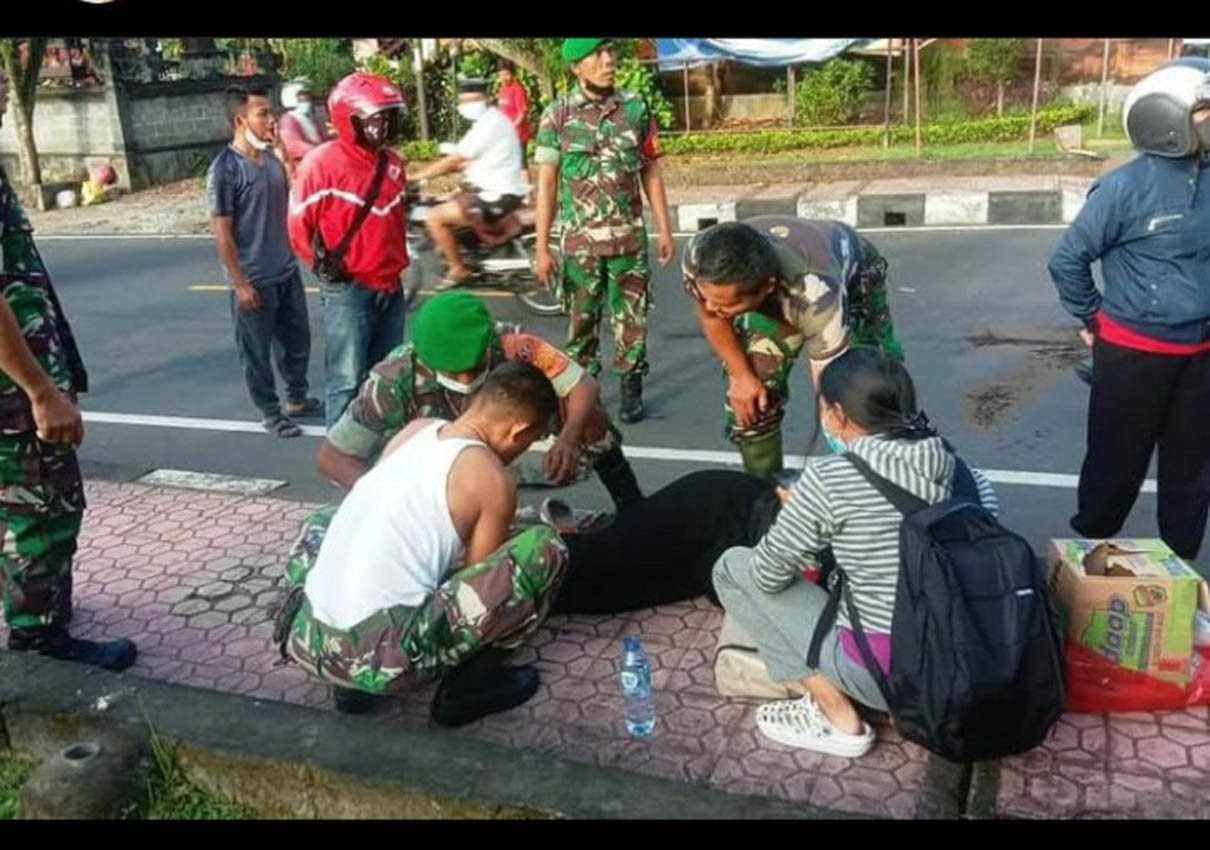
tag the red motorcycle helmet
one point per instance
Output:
(359, 96)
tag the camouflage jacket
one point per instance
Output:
(401, 388)
(27, 288)
(601, 148)
(818, 260)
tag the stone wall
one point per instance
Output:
(152, 133)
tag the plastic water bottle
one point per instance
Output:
(639, 713)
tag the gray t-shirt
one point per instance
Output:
(256, 195)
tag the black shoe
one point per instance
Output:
(353, 701)
(479, 687)
(55, 642)
(615, 473)
(631, 409)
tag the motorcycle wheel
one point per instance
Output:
(540, 299)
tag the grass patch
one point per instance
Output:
(14, 770)
(170, 796)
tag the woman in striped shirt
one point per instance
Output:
(868, 408)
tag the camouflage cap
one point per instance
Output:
(575, 49)
(452, 331)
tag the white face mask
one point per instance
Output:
(472, 111)
(459, 387)
(257, 143)
(303, 107)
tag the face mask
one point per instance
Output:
(303, 107)
(459, 387)
(252, 139)
(834, 444)
(599, 91)
(472, 111)
(375, 131)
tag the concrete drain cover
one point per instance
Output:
(211, 481)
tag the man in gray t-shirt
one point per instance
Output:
(248, 194)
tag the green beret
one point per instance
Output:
(575, 49)
(452, 331)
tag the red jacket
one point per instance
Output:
(328, 190)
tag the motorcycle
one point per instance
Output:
(509, 266)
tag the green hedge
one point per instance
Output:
(418, 150)
(1008, 129)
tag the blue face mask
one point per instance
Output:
(836, 446)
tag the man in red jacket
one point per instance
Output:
(348, 220)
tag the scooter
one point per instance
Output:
(510, 265)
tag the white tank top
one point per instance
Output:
(392, 540)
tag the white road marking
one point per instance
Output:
(702, 456)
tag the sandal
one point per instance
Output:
(304, 408)
(281, 426)
(801, 723)
(450, 282)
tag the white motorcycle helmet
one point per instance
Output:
(1158, 113)
(290, 91)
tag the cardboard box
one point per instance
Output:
(1130, 601)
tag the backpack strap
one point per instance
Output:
(965, 487)
(863, 644)
(380, 170)
(906, 503)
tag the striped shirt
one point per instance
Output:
(832, 504)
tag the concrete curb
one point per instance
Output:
(916, 202)
(301, 762)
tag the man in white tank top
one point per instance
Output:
(415, 575)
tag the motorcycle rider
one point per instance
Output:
(490, 156)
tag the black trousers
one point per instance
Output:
(1141, 401)
(662, 549)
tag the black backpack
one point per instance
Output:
(976, 655)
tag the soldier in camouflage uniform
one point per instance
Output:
(595, 148)
(413, 383)
(766, 287)
(41, 493)
(403, 584)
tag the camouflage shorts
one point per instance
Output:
(41, 509)
(498, 601)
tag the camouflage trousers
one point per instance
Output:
(498, 601)
(772, 347)
(41, 508)
(626, 279)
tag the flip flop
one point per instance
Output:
(450, 282)
(281, 426)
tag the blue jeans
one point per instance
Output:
(278, 329)
(361, 326)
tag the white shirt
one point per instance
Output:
(392, 541)
(493, 154)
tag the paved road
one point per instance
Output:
(987, 344)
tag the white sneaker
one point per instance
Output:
(801, 723)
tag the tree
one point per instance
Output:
(22, 60)
(996, 60)
(542, 57)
